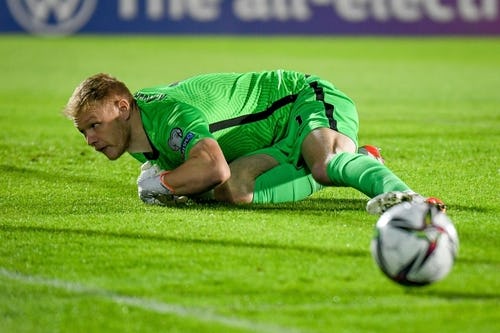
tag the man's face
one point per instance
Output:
(105, 127)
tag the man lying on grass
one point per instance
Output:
(256, 137)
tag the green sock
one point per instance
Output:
(284, 183)
(364, 174)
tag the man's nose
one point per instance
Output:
(91, 138)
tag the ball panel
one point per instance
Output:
(438, 261)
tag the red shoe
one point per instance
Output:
(371, 151)
(437, 202)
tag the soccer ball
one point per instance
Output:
(414, 244)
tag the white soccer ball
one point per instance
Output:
(414, 244)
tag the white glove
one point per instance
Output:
(152, 191)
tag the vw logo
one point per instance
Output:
(52, 17)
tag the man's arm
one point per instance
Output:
(205, 168)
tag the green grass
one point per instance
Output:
(80, 253)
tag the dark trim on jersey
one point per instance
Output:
(155, 154)
(253, 117)
(152, 156)
(329, 108)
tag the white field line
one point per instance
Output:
(146, 304)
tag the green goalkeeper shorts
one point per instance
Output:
(320, 105)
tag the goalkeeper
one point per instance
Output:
(256, 137)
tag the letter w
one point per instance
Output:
(62, 9)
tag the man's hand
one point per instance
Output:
(152, 191)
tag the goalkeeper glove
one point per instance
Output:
(151, 189)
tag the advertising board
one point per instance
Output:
(257, 17)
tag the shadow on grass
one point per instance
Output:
(52, 177)
(455, 295)
(476, 209)
(184, 240)
(310, 204)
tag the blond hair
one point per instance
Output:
(94, 89)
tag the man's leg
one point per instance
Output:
(332, 159)
(260, 178)
(244, 170)
(284, 183)
(327, 137)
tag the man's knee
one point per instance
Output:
(319, 173)
(320, 147)
(234, 193)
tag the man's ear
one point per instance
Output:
(124, 107)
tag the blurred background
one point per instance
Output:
(257, 17)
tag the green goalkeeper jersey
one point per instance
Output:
(270, 113)
(244, 112)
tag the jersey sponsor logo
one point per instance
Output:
(186, 141)
(55, 17)
(175, 140)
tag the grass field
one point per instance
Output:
(80, 253)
